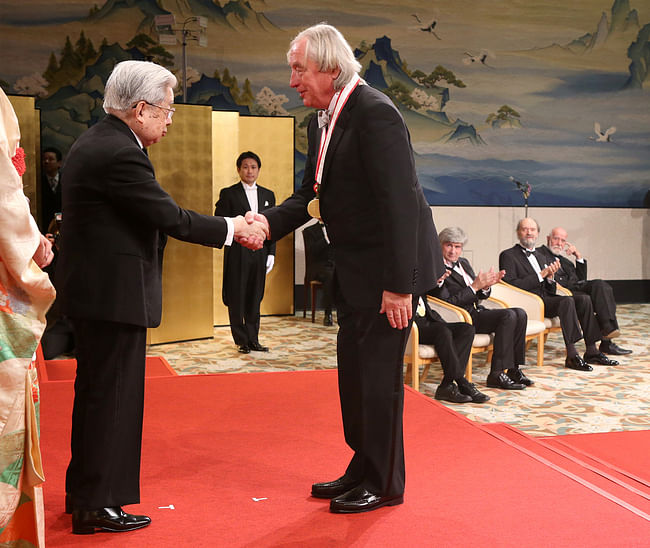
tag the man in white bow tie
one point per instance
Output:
(245, 270)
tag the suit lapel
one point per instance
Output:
(241, 196)
(339, 131)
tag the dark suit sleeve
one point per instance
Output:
(223, 207)
(516, 274)
(134, 190)
(581, 270)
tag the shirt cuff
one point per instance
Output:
(231, 231)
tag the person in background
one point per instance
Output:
(533, 269)
(466, 289)
(319, 265)
(245, 270)
(453, 344)
(116, 219)
(25, 295)
(51, 158)
(574, 277)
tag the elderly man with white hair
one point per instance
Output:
(116, 218)
(360, 180)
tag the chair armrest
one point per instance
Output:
(493, 303)
(449, 312)
(516, 297)
(561, 290)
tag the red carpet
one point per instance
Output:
(236, 454)
(64, 370)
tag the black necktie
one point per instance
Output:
(453, 265)
(145, 152)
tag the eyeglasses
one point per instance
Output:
(170, 111)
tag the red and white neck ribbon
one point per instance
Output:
(326, 134)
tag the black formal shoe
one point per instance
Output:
(361, 500)
(331, 489)
(450, 392)
(577, 363)
(501, 380)
(258, 347)
(327, 320)
(517, 375)
(469, 389)
(68, 503)
(114, 520)
(599, 358)
(610, 347)
(243, 349)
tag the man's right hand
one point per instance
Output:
(250, 233)
(551, 269)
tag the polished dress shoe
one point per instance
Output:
(331, 489)
(450, 392)
(243, 349)
(327, 320)
(610, 347)
(469, 389)
(113, 519)
(258, 347)
(360, 499)
(577, 363)
(599, 358)
(501, 380)
(517, 375)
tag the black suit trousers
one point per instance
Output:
(104, 469)
(509, 328)
(603, 302)
(371, 389)
(453, 344)
(576, 317)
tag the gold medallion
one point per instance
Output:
(313, 208)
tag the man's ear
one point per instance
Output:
(139, 112)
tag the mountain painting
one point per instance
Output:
(507, 102)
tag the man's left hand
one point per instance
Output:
(398, 308)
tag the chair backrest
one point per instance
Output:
(317, 251)
(516, 297)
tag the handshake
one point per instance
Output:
(251, 230)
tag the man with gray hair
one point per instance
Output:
(116, 221)
(360, 180)
(466, 289)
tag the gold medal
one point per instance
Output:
(313, 208)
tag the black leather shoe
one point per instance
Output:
(243, 349)
(114, 520)
(258, 347)
(610, 347)
(577, 363)
(501, 380)
(599, 358)
(327, 320)
(360, 499)
(331, 489)
(469, 389)
(451, 393)
(517, 375)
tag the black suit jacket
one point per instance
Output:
(318, 252)
(50, 202)
(454, 290)
(232, 202)
(117, 217)
(520, 272)
(378, 220)
(571, 276)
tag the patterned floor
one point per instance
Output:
(562, 401)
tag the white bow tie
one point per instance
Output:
(323, 118)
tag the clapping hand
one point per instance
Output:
(550, 270)
(43, 255)
(487, 279)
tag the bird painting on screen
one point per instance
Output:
(430, 28)
(603, 137)
(479, 59)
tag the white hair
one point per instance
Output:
(330, 50)
(133, 81)
(452, 235)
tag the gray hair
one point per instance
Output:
(133, 81)
(330, 50)
(453, 235)
(534, 220)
